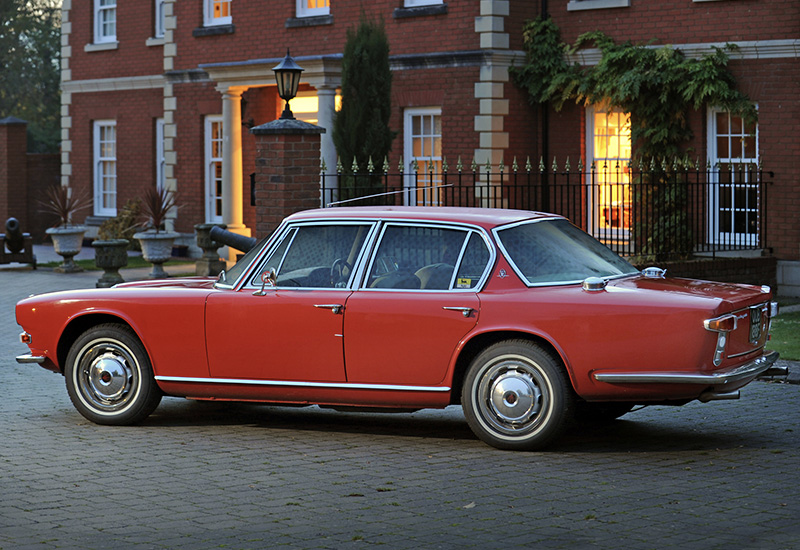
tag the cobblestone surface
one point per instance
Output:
(199, 475)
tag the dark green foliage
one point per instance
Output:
(30, 45)
(124, 225)
(658, 86)
(361, 128)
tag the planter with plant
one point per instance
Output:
(67, 237)
(156, 242)
(113, 241)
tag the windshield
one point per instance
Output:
(555, 251)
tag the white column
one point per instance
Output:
(232, 163)
(327, 108)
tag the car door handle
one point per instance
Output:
(465, 311)
(335, 308)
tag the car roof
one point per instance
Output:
(485, 217)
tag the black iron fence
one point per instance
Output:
(645, 212)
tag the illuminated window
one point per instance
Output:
(422, 131)
(609, 148)
(217, 12)
(105, 21)
(105, 168)
(213, 162)
(310, 8)
(735, 201)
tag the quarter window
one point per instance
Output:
(217, 12)
(310, 8)
(105, 21)
(105, 168)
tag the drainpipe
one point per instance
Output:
(545, 118)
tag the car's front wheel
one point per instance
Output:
(109, 376)
(516, 396)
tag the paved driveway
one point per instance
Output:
(199, 475)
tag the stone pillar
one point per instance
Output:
(287, 171)
(232, 212)
(13, 171)
(327, 110)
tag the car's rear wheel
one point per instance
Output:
(516, 396)
(109, 376)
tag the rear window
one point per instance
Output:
(554, 251)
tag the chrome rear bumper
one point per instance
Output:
(28, 359)
(745, 372)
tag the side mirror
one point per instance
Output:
(268, 278)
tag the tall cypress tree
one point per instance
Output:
(361, 128)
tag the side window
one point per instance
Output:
(417, 257)
(318, 256)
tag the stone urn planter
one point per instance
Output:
(67, 243)
(209, 264)
(156, 249)
(110, 256)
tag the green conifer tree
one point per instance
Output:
(361, 128)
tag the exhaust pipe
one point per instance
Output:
(710, 395)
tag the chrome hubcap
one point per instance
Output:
(513, 396)
(107, 376)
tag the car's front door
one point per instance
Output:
(292, 331)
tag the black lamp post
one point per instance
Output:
(287, 74)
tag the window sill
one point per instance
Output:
(155, 41)
(216, 30)
(575, 5)
(104, 47)
(313, 21)
(419, 11)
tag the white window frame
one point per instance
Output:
(208, 14)
(160, 19)
(715, 198)
(101, 13)
(304, 11)
(211, 160)
(412, 195)
(160, 158)
(418, 3)
(601, 232)
(104, 183)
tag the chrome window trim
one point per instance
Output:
(469, 229)
(299, 384)
(518, 271)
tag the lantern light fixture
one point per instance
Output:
(287, 75)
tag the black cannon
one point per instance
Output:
(234, 240)
(16, 246)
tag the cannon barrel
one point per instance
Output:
(14, 239)
(234, 240)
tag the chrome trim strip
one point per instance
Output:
(748, 370)
(296, 384)
(28, 359)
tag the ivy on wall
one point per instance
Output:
(657, 86)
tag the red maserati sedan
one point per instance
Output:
(521, 317)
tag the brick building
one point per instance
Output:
(166, 91)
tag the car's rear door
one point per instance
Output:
(417, 302)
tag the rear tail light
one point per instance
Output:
(721, 325)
